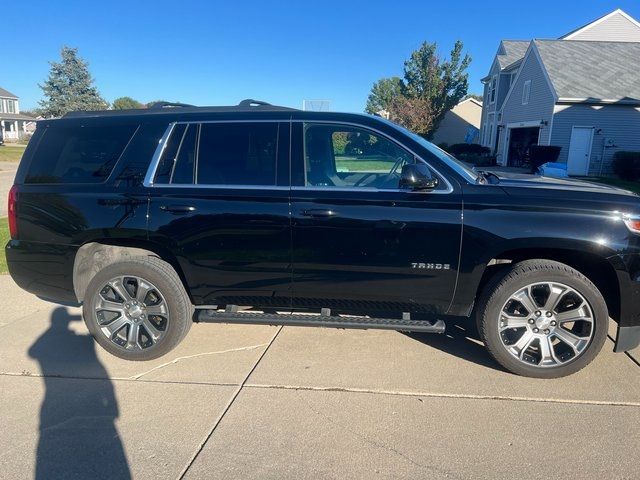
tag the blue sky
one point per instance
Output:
(213, 53)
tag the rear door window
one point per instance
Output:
(226, 154)
(78, 154)
(238, 153)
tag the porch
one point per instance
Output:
(14, 127)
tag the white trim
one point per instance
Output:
(599, 100)
(531, 123)
(493, 89)
(551, 126)
(600, 20)
(526, 92)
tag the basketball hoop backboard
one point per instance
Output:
(316, 105)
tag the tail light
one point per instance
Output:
(13, 206)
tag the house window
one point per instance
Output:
(526, 92)
(492, 90)
(2, 105)
(10, 106)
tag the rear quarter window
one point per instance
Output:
(78, 154)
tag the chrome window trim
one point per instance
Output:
(155, 160)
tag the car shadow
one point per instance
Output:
(78, 437)
(462, 340)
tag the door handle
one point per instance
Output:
(319, 213)
(178, 209)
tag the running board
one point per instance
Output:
(231, 315)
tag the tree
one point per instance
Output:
(413, 113)
(430, 87)
(69, 87)
(150, 104)
(126, 103)
(382, 94)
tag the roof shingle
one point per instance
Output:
(592, 71)
(6, 93)
(514, 51)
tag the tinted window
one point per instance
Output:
(169, 154)
(78, 154)
(343, 156)
(184, 169)
(237, 154)
(178, 161)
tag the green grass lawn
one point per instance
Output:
(354, 164)
(616, 182)
(11, 154)
(4, 238)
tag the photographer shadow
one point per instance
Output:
(78, 437)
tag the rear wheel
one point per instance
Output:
(542, 319)
(137, 309)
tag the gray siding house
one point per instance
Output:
(580, 92)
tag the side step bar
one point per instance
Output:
(325, 319)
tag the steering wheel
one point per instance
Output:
(396, 165)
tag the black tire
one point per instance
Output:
(166, 281)
(500, 289)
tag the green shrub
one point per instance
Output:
(459, 149)
(627, 165)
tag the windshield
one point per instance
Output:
(459, 167)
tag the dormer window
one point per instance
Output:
(11, 106)
(526, 92)
(492, 89)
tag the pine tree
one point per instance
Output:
(69, 87)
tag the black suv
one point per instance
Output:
(153, 219)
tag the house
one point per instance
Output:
(580, 92)
(13, 125)
(461, 124)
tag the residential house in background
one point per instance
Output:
(13, 125)
(461, 124)
(580, 92)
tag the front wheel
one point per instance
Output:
(137, 309)
(542, 319)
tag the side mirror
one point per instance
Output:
(417, 176)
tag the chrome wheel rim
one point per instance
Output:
(546, 324)
(131, 312)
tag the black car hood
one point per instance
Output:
(508, 180)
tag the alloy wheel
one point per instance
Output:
(131, 312)
(546, 324)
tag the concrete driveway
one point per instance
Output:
(7, 174)
(269, 402)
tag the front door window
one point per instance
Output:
(351, 157)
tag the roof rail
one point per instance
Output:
(158, 105)
(249, 102)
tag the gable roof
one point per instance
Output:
(591, 71)
(6, 93)
(511, 51)
(627, 27)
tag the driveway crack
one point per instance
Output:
(203, 354)
(227, 407)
